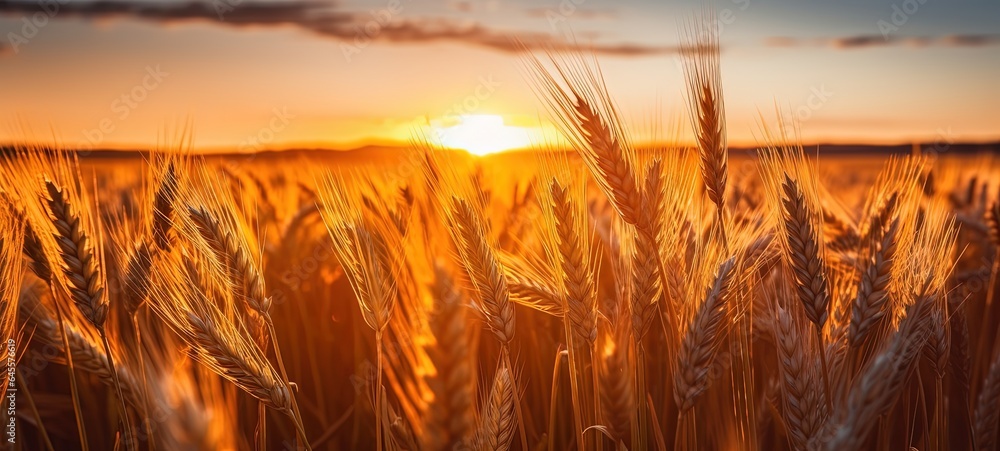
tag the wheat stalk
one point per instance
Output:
(87, 355)
(939, 340)
(993, 223)
(804, 255)
(32, 246)
(137, 276)
(484, 270)
(81, 265)
(577, 276)
(231, 360)
(880, 384)
(608, 161)
(163, 207)
(873, 292)
(529, 288)
(498, 422)
(617, 392)
(703, 339)
(228, 249)
(703, 78)
(804, 411)
(583, 110)
(451, 418)
(988, 409)
(11, 270)
(82, 271)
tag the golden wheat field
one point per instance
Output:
(609, 297)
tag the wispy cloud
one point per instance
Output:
(329, 21)
(578, 13)
(870, 41)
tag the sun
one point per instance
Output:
(482, 134)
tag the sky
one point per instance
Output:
(253, 75)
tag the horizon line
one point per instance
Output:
(232, 151)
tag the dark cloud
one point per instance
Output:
(870, 41)
(326, 20)
(971, 40)
(857, 41)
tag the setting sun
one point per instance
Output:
(482, 134)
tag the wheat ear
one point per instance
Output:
(646, 286)
(616, 382)
(988, 408)
(234, 256)
(32, 246)
(587, 118)
(82, 270)
(869, 306)
(609, 162)
(137, 276)
(881, 383)
(703, 339)
(804, 411)
(484, 270)
(804, 254)
(578, 279)
(81, 265)
(703, 78)
(452, 417)
(498, 421)
(87, 355)
(163, 207)
(806, 261)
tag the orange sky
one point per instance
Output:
(279, 79)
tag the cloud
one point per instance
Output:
(971, 40)
(326, 20)
(871, 41)
(246, 13)
(463, 6)
(578, 13)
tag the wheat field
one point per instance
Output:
(611, 297)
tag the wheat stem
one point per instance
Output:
(826, 369)
(297, 415)
(74, 390)
(130, 440)
(34, 412)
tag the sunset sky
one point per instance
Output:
(290, 73)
